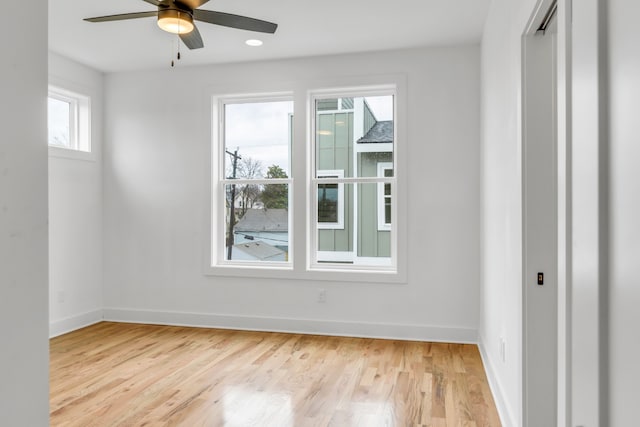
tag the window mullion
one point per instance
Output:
(359, 180)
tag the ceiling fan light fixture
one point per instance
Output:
(175, 22)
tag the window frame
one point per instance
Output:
(323, 261)
(301, 90)
(219, 183)
(80, 145)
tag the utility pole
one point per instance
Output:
(232, 208)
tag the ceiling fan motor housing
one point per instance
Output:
(175, 20)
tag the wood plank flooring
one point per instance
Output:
(116, 374)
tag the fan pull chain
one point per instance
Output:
(178, 37)
(175, 48)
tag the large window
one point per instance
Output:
(68, 120)
(335, 183)
(254, 181)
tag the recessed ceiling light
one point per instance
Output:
(254, 42)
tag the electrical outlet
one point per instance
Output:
(322, 295)
(62, 296)
(503, 350)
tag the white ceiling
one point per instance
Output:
(305, 28)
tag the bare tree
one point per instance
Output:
(247, 194)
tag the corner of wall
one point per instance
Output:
(72, 323)
(507, 417)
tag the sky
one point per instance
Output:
(381, 106)
(261, 130)
(58, 121)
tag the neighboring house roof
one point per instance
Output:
(264, 220)
(379, 133)
(259, 250)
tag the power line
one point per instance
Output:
(232, 209)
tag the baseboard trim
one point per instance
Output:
(505, 414)
(69, 324)
(301, 326)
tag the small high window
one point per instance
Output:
(68, 121)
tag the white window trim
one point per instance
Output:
(302, 235)
(382, 224)
(335, 256)
(79, 125)
(333, 173)
(218, 225)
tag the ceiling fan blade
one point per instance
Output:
(193, 4)
(122, 16)
(234, 21)
(153, 2)
(193, 40)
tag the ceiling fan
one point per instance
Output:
(177, 16)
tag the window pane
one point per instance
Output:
(327, 104)
(328, 203)
(257, 137)
(359, 241)
(372, 242)
(387, 210)
(361, 131)
(259, 233)
(59, 119)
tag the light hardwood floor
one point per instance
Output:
(116, 374)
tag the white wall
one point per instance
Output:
(24, 358)
(156, 192)
(75, 211)
(624, 243)
(589, 199)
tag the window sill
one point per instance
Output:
(66, 153)
(314, 273)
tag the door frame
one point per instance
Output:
(542, 208)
